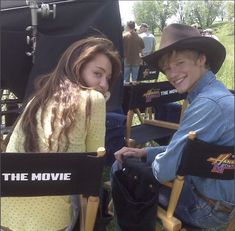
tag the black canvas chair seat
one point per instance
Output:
(143, 133)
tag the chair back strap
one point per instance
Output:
(152, 94)
(207, 160)
(40, 174)
(147, 72)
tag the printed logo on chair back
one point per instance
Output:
(222, 162)
(36, 174)
(150, 94)
(147, 73)
(156, 93)
(207, 160)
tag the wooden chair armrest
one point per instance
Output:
(168, 184)
(163, 124)
(130, 143)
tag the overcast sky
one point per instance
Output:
(126, 10)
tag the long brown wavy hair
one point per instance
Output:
(64, 84)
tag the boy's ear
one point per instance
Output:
(202, 59)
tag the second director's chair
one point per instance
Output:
(144, 97)
(199, 159)
(77, 173)
(147, 73)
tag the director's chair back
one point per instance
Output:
(146, 96)
(201, 159)
(147, 73)
(44, 174)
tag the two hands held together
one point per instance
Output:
(133, 152)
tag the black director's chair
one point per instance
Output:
(146, 73)
(55, 174)
(204, 160)
(147, 96)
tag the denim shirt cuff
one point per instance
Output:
(153, 151)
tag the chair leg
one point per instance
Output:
(91, 212)
(83, 207)
(169, 223)
(231, 225)
(175, 193)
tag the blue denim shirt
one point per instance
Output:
(211, 115)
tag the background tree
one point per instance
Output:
(145, 12)
(203, 13)
(155, 13)
(229, 11)
(180, 12)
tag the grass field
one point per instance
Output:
(225, 33)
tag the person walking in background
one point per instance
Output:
(133, 46)
(65, 114)
(148, 38)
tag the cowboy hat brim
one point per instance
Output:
(214, 51)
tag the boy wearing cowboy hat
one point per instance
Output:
(190, 62)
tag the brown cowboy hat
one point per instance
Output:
(181, 37)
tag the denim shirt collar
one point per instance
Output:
(206, 79)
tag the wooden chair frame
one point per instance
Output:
(170, 222)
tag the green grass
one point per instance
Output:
(225, 33)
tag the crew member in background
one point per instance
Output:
(133, 46)
(148, 38)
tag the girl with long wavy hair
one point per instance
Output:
(65, 114)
